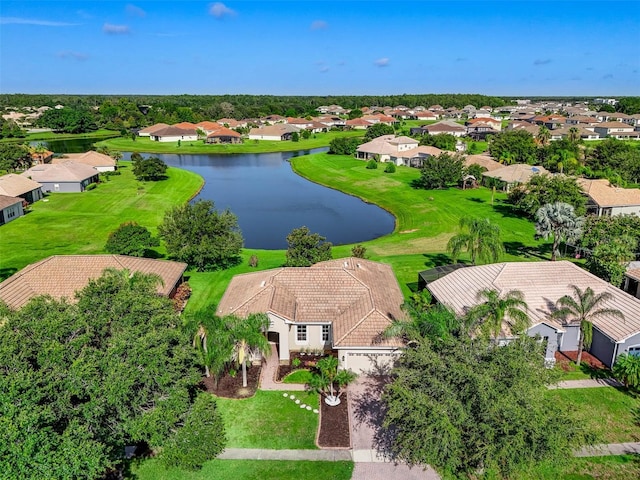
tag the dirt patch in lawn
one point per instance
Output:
(231, 387)
(334, 425)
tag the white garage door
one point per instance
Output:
(369, 362)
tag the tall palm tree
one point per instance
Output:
(544, 136)
(584, 307)
(212, 340)
(497, 309)
(435, 323)
(558, 220)
(248, 334)
(479, 237)
(574, 135)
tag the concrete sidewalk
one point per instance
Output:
(262, 454)
(608, 449)
(587, 383)
(269, 372)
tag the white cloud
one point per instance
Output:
(319, 25)
(134, 11)
(220, 10)
(33, 21)
(111, 29)
(381, 62)
(67, 54)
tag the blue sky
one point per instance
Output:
(321, 47)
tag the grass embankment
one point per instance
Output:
(247, 470)
(269, 420)
(144, 144)
(80, 223)
(51, 136)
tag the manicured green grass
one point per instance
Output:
(615, 467)
(144, 144)
(608, 413)
(299, 376)
(50, 136)
(80, 223)
(584, 372)
(246, 470)
(269, 420)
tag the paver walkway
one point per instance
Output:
(587, 383)
(270, 371)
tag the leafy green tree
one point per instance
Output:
(295, 137)
(390, 167)
(627, 370)
(629, 105)
(463, 405)
(543, 189)
(372, 164)
(201, 438)
(475, 170)
(359, 251)
(130, 239)
(435, 323)
(135, 157)
(355, 113)
(247, 335)
(558, 220)
(607, 229)
(377, 130)
(14, 156)
(442, 171)
(68, 120)
(306, 248)
(583, 307)
(88, 378)
(574, 135)
(330, 382)
(498, 309)
(306, 134)
(10, 129)
(199, 235)
(151, 168)
(443, 141)
(513, 146)
(609, 260)
(344, 145)
(479, 237)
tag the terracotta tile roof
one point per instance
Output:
(483, 120)
(380, 145)
(358, 122)
(91, 158)
(274, 130)
(220, 131)
(403, 140)
(444, 126)
(13, 185)
(153, 128)
(613, 125)
(174, 131)
(67, 171)
(206, 125)
(542, 284)
(7, 201)
(359, 297)
(185, 125)
(516, 173)
(485, 161)
(605, 195)
(62, 275)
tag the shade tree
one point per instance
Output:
(306, 248)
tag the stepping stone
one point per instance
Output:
(308, 408)
(315, 410)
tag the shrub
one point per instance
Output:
(372, 164)
(627, 370)
(253, 261)
(390, 168)
(130, 239)
(91, 186)
(295, 363)
(202, 438)
(358, 251)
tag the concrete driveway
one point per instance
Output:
(369, 445)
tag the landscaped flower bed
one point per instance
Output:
(299, 361)
(231, 386)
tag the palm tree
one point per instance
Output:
(559, 221)
(212, 340)
(248, 334)
(497, 309)
(329, 381)
(544, 136)
(435, 323)
(583, 307)
(574, 135)
(479, 237)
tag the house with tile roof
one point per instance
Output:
(445, 126)
(619, 130)
(384, 147)
(278, 132)
(342, 306)
(65, 177)
(10, 208)
(512, 175)
(605, 199)
(631, 283)
(542, 284)
(61, 276)
(219, 134)
(174, 133)
(99, 161)
(14, 185)
(148, 131)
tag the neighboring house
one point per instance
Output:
(358, 124)
(68, 176)
(424, 115)
(445, 126)
(632, 279)
(13, 185)
(41, 157)
(148, 131)
(491, 122)
(99, 161)
(207, 127)
(174, 133)
(414, 157)
(223, 135)
(485, 161)
(619, 130)
(586, 132)
(232, 123)
(277, 132)
(341, 305)
(515, 174)
(384, 147)
(61, 276)
(542, 284)
(607, 200)
(10, 208)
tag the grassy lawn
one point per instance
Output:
(246, 470)
(609, 413)
(584, 372)
(144, 144)
(299, 376)
(79, 223)
(269, 420)
(616, 467)
(32, 137)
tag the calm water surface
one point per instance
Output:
(270, 200)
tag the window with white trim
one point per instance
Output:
(301, 333)
(325, 333)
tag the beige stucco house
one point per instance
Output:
(605, 199)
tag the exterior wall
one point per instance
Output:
(626, 210)
(63, 187)
(545, 331)
(628, 343)
(174, 138)
(33, 195)
(11, 213)
(314, 338)
(277, 138)
(279, 326)
(370, 360)
(570, 338)
(106, 169)
(602, 347)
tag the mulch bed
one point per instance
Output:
(231, 387)
(334, 425)
(306, 362)
(564, 359)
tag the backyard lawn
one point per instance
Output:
(246, 470)
(144, 144)
(269, 420)
(615, 467)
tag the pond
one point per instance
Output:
(270, 200)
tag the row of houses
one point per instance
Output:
(71, 173)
